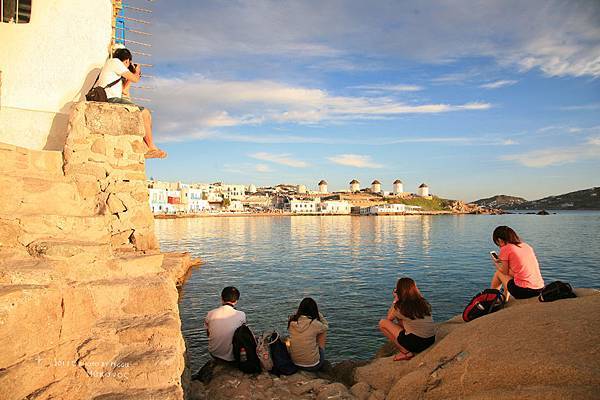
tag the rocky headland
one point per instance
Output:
(528, 350)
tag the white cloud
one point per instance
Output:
(389, 88)
(196, 106)
(558, 155)
(561, 38)
(498, 84)
(283, 159)
(354, 160)
(262, 168)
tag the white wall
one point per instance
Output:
(46, 65)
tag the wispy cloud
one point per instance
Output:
(197, 105)
(558, 155)
(354, 160)
(389, 88)
(262, 168)
(582, 107)
(283, 159)
(498, 84)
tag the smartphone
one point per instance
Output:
(494, 255)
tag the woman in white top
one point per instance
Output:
(408, 324)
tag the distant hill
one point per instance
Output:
(501, 201)
(588, 199)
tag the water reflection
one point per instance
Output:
(350, 265)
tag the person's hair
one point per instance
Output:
(410, 302)
(507, 235)
(308, 307)
(230, 294)
(122, 54)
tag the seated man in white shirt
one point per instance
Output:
(221, 323)
(118, 67)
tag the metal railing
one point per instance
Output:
(129, 18)
(15, 11)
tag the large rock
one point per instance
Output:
(527, 350)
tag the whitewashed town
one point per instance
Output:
(177, 198)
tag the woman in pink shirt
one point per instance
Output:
(517, 267)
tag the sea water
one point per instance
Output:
(350, 264)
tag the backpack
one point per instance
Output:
(244, 350)
(282, 362)
(555, 291)
(263, 351)
(485, 302)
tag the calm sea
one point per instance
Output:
(349, 265)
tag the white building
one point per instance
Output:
(335, 207)
(375, 186)
(233, 192)
(158, 200)
(303, 206)
(195, 200)
(301, 189)
(398, 186)
(354, 186)
(251, 188)
(323, 186)
(386, 209)
(423, 190)
(49, 58)
(236, 206)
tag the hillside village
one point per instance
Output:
(177, 198)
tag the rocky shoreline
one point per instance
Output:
(528, 350)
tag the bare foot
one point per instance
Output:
(155, 153)
(403, 356)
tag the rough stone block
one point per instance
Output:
(115, 204)
(112, 119)
(121, 238)
(99, 146)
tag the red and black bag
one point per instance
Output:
(486, 302)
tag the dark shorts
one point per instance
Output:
(120, 100)
(414, 343)
(519, 292)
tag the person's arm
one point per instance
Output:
(502, 264)
(391, 314)
(324, 322)
(131, 76)
(206, 327)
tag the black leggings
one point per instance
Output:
(414, 343)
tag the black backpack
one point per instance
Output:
(555, 291)
(244, 350)
(282, 362)
(486, 302)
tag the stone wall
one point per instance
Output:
(88, 303)
(104, 155)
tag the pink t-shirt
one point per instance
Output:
(523, 265)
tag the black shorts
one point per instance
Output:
(414, 343)
(519, 292)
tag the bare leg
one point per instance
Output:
(501, 279)
(391, 330)
(147, 117)
(153, 151)
(321, 339)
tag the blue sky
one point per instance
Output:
(474, 98)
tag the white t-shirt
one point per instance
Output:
(112, 70)
(221, 323)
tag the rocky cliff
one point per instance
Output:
(528, 350)
(88, 303)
